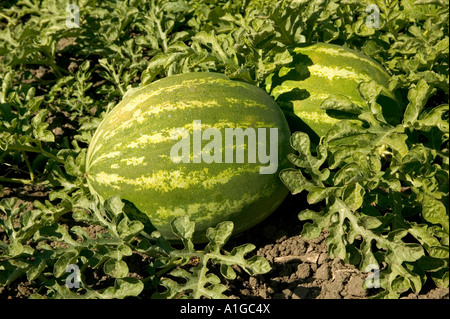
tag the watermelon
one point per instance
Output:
(197, 145)
(320, 70)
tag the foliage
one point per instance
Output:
(382, 190)
(55, 250)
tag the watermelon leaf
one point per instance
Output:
(199, 282)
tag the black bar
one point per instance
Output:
(231, 308)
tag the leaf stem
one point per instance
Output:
(27, 162)
(202, 274)
(38, 149)
(167, 268)
(163, 36)
(16, 181)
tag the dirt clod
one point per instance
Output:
(323, 272)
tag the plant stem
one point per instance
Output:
(38, 149)
(162, 34)
(27, 162)
(16, 181)
(165, 270)
(203, 271)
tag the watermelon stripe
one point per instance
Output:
(105, 156)
(320, 97)
(333, 73)
(316, 117)
(166, 181)
(134, 161)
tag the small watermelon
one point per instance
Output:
(320, 70)
(197, 145)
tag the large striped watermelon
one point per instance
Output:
(139, 152)
(320, 70)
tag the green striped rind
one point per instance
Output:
(324, 69)
(130, 153)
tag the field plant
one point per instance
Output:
(380, 190)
